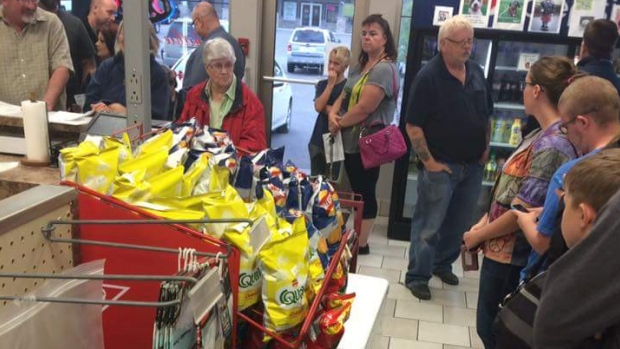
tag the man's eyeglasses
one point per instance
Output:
(463, 42)
(222, 66)
(564, 126)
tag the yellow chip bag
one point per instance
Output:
(194, 173)
(224, 209)
(131, 187)
(153, 163)
(172, 213)
(214, 179)
(155, 143)
(124, 146)
(249, 274)
(67, 159)
(283, 262)
(97, 172)
(167, 184)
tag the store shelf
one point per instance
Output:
(502, 145)
(507, 105)
(505, 68)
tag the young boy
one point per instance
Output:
(579, 299)
(588, 186)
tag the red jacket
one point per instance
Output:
(245, 122)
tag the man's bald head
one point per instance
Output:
(102, 13)
(204, 9)
(205, 19)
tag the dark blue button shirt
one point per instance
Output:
(603, 68)
(453, 116)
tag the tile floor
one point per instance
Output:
(447, 321)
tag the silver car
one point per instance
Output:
(306, 48)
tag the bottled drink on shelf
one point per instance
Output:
(490, 169)
(515, 132)
(498, 129)
(503, 89)
(506, 130)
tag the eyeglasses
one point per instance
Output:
(463, 42)
(221, 66)
(525, 83)
(564, 126)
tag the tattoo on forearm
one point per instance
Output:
(420, 148)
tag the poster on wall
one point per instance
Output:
(526, 60)
(615, 16)
(442, 13)
(546, 16)
(477, 11)
(582, 13)
(510, 15)
(290, 11)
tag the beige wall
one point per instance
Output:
(255, 20)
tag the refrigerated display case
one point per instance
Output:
(498, 53)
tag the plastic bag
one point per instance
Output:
(131, 187)
(97, 172)
(56, 325)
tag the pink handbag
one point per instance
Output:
(383, 146)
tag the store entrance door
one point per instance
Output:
(311, 15)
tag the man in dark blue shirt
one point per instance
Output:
(207, 26)
(599, 40)
(448, 124)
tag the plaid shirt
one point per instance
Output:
(29, 58)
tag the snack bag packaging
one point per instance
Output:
(155, 143)
(67, 159)
(284, 265)
(275, 185)
(152, 162)
(224, 209)
(315, 272)
(244, 179)
(326, 213)
(172, 213)
(124, 146)
(299, 191)
(227, 159)
(328, 329)
(131, 187)
(249, 275)
(318, 243)
(338, 282)
(182, 135)
(270, 158)
(177, 158)
(336, 300)
(167, 184)
(97, 172)
(194, 173)
(213, 179)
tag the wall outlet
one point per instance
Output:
(134, 90)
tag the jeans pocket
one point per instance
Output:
(437, 178)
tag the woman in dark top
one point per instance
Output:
(106, 90)
(105, 42)
(327, 92)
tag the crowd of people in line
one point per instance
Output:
(565, 173)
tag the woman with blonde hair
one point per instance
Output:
(106, 90)
(327, 92)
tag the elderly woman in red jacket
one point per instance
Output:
(225, 102)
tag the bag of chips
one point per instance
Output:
(124, 146)
(326, 212)
(152, 161)
(328, 329)
(67, 159)
(131, 187)
(284, 265)
(155, 143)
(167, 184)
(98, 171)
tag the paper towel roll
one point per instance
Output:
(35, 131)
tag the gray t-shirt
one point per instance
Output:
(382, 75)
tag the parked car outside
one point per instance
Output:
(180, 39)
(282, 102)
(306, 48)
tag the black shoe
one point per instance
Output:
(447, 277)
(420, 291)
(363, 250)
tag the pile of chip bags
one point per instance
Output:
(187, 173)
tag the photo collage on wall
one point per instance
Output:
(545, 16)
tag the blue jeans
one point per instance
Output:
(444, 211)
(497, 280)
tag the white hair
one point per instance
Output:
(451, 25)
(217, 48)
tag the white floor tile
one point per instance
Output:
(377, 239)
(398, 343)
(388, 307)
(418, 311)
(400, 328)
(442, 333)
(398, 243)
(472, 300)
(447, 297)
(476, 342)
(459, 316)
(382, 220)
(378, 341)
(466, 284)
(380, 229)
(448, 346)
(370, 260)
(391, 251)
(400, 291)
(472, 274)
(434, 282)
(390, 275)
(395, 263)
